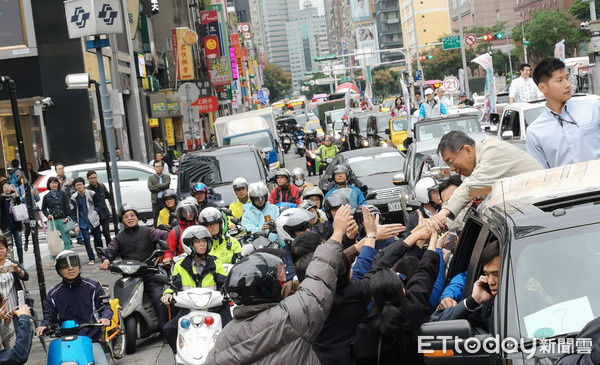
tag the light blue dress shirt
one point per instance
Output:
(570, 137)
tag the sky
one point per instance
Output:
(317, 3)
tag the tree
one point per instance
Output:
(384, 83)
(277, 81)
(546, 28)
(581, 10)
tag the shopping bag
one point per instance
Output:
(19, 212)
(69, 226)
(53, 239)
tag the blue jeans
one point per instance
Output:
(16, 235)
(86, 240)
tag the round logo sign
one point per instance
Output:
(211, 44)
(451, 84)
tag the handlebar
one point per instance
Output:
(55, 330)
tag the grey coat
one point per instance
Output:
(284, 332)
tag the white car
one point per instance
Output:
(133, 180)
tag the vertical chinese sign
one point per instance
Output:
(182, 54)
(210, 33)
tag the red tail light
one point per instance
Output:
(209, 321)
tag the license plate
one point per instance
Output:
(394, 207)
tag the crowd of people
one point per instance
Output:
(365, 286)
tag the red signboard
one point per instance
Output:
(209, 16)
(207, 105)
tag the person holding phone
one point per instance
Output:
(12, 276)
(477, 308)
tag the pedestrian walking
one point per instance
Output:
(85, 214)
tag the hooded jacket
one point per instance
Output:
(92, 203)
(277, 333)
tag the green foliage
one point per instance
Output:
(546, 28)
(581, 10)
(277, 81)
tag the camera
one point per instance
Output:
(47, 101)
(584, 25)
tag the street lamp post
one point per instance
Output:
(23, 160)
(83, 81)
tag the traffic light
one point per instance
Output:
(360, 77)
(422, 58)
(429, 57)
(487, 37)
(499, 35)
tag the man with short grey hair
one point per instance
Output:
(478, 162)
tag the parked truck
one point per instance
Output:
(257, 127)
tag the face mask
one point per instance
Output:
(298, 182)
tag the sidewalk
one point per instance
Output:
(150, 351)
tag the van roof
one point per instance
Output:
(544, 188)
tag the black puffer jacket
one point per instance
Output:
(135, 243)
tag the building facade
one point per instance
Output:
(431, 18)
(275, 15)
(389, 29)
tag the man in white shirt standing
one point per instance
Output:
(523, 89)
(568, 130)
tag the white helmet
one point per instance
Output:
(258, 190)
(422, 189)
(240, 183)
(193, 234)
(291, 221)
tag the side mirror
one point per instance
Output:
(507, 135)
(439, 339)
(413, 203)
(387, 131)
(271, 176)
(399, 179)
(105, 299)
(494, 118)
(102, 253)
(371, 196)
(227, 211)
(407, 142)
(234, 220)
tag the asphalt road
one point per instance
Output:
(149, 351)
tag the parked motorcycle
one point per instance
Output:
(141, 321)
(311, 158)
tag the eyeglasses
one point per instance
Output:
(451, 163)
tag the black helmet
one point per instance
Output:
(189, 205)
(255, 280)
(341, 169)
(193, 234)
(291, 221)
(358, 216)
(209, 215)
(169, 194)
(307, 205)
(334, 201)
(258, 190)
(126, 207)
(65, 259)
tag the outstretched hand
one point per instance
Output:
(370, 222)
(340, 222)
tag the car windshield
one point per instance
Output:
(338, 125)
(388, 103)
(532, 114)
(376, 164)
(382, 122)
(335, 115)
(553, 302)
(217, 170)
(400, 124)
(420, 156)
(362, 122)
(260, 139)
(300, 119)
(313, 124)
(427, 131)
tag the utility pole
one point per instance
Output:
(462, 51)
(594, 29)
(524, 41)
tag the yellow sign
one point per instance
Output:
(153, 122)
(183, 55)
(211, 44)
(169, 130)
(10, 153)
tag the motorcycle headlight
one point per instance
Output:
(129, 269)
(343, 139)
(200, 300)
(365, 143)
(384, 144)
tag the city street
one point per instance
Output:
(149, 351)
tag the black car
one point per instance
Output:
(547, 225)
(374, 167)
(364, 128)
(217, 168)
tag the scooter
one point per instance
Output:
(300, 150)
(69, 347)
(323, 164)
(198, 330)
(286, 141)
(311, 158)
(138, 312)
